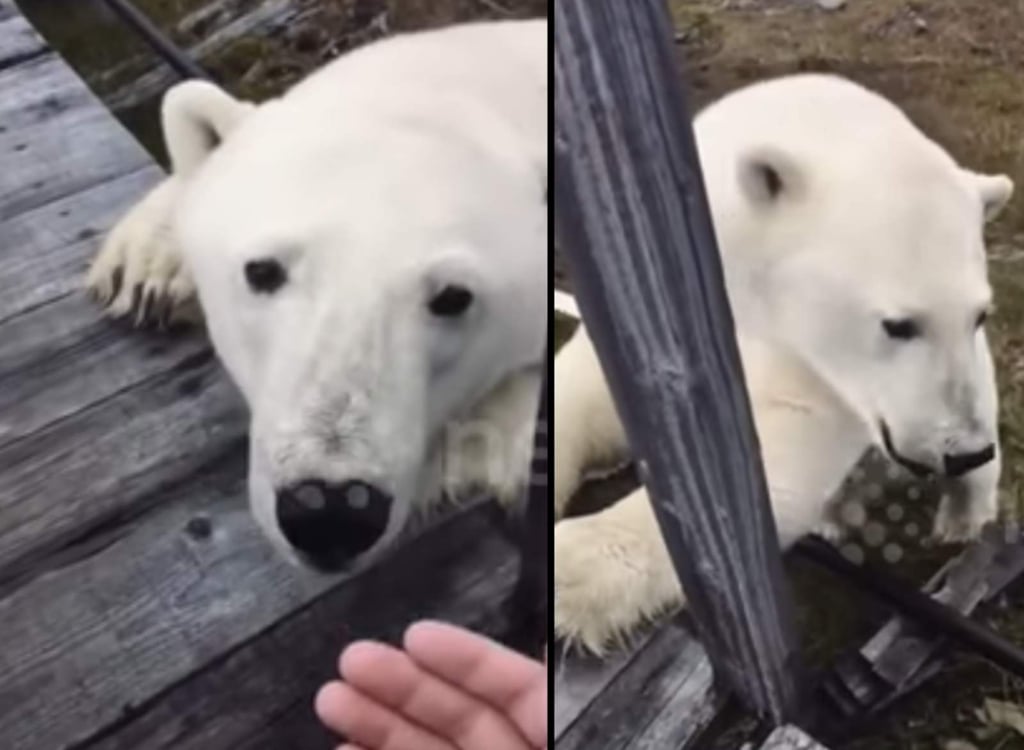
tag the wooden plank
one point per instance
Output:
(579, 679)
(106, 459)
(18, 40)
(55, 136)
(136, 607)
(81, 446)
(7, 10)
(38, 86)
(45, 251)
(293, 660)
(151, 617)
(903, 654)
(790, 738)
(57, 141)
(479, 607)
(59, 358)
(71, 150)
(663, 698)
(635, 228)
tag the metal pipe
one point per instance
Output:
(171, 53)
(911, 602)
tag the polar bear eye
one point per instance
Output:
(982, 319)
(451, 301)
(265, 276)
(904, 329)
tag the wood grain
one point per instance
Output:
(56, 138)
(46, 251)
(663, 698)
(260, 695)
(634, 224)
(19, 42)
(104, 461)
(7, 10)
(60, 358)
(159, 599)
(579, 679)
(67, 152)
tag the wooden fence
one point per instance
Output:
(633, 222)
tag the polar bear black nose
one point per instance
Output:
(961, 463)
(332, 524)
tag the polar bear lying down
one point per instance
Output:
(369, 253)
(855, 265)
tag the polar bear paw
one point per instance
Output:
(138, 273)
(608, 583)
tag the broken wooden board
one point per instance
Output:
(903, 655)
(660, 694)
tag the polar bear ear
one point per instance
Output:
(768, 175)
(197, 116)
(995, 192)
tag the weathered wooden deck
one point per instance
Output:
(139, 605)
(657, 695)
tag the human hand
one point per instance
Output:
(449, 689)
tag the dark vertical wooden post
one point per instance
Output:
(534, 539)
(633, 221)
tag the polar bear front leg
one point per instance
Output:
(612, 572)
(139, 272)
(587, 430)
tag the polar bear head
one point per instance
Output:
(856, 242)
(370, 256)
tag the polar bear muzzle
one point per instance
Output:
(953, 464)
(331, 525)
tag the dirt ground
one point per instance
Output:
(957, 68)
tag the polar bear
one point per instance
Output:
(853, 252)
(369, 255)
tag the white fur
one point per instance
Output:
(832, 213)
(407, 165)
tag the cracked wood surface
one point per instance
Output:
(657, 694)
(139, 604)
